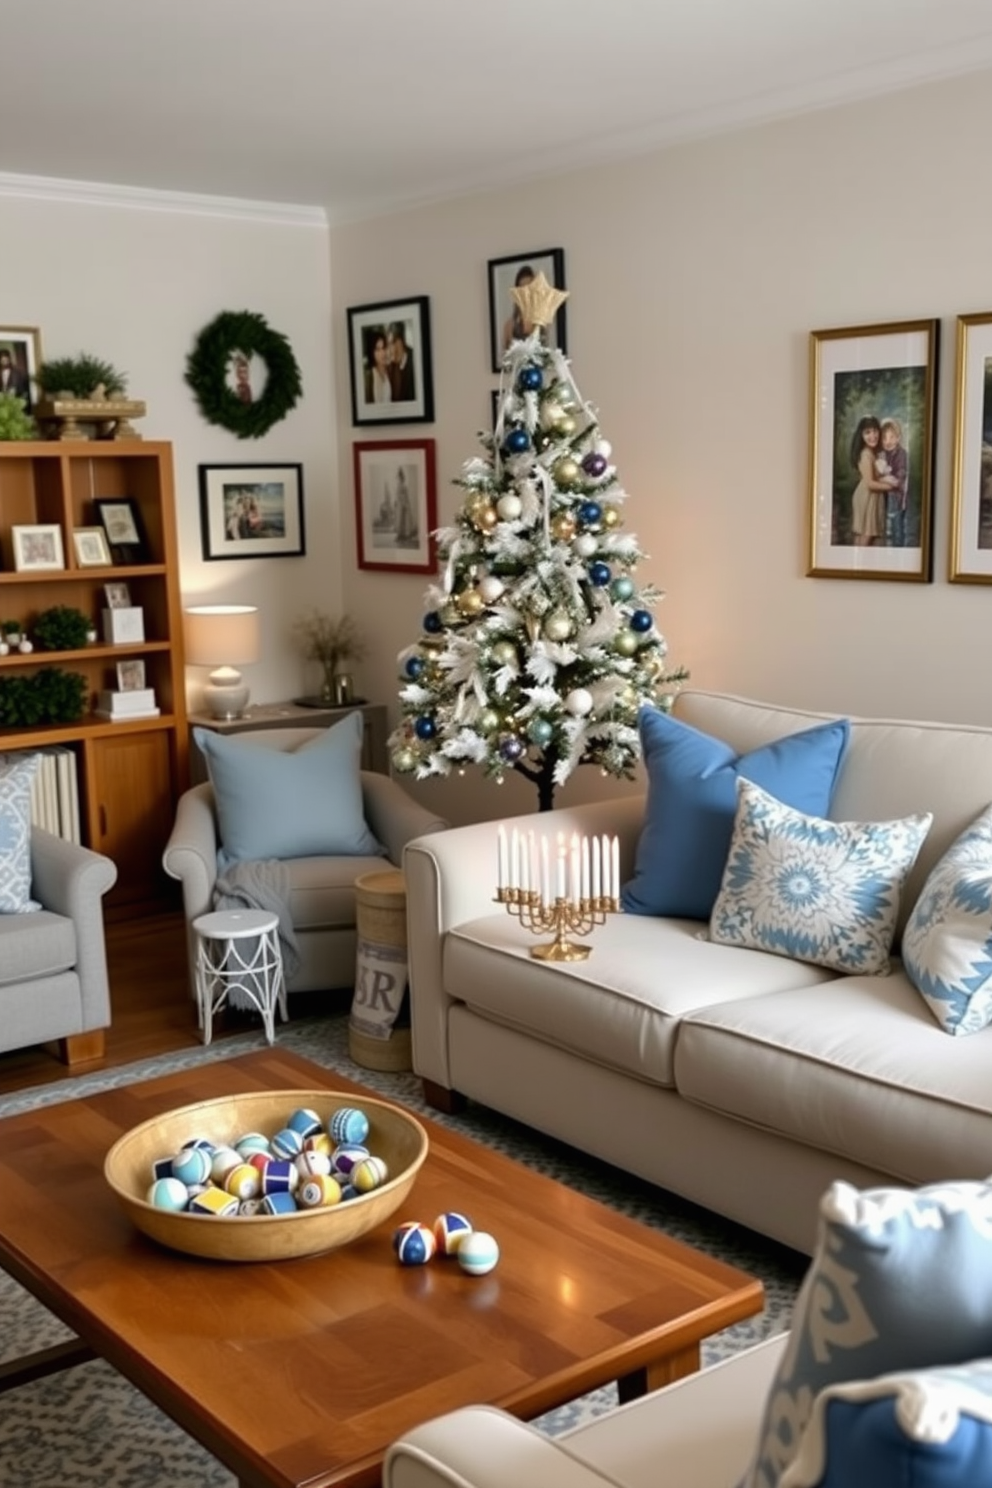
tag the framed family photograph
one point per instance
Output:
(396, 505)
(122, 525)
(872, 401)
(20, 358)
(252, 511)
(92, 548)
(506, 321)
(37, 548)
(131, 675)
(389, 350)
(117, 595)
(971, 480)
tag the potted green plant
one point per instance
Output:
(61, 628)
(330, 641)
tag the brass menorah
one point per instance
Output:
(563, 916)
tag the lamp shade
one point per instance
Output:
(222, 635)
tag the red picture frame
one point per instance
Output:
(396, 505)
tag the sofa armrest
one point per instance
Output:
(191, 852)
(451, 879)
(71, 880)
(393, 816)
(479, 1447)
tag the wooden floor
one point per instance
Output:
(152, 1011)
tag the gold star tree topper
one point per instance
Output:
(539, 301)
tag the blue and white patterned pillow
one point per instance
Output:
(901, 1280)
(931, 1428)
(16, 775)
(947, 942)
(820, 891)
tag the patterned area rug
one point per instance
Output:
(88, 1427)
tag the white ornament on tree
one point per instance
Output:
(491, 588)
(585, 544)
(579, 702)
(604, 448)
(509, 507)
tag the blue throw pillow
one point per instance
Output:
(300, 803)
(947, 942)
(692, 799)
(901, 1280)
(929, 1429)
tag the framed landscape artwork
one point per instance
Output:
(396, 505)
(251, 511)
(389, 351)
(506, 323)
(873, 392)
(971, 482)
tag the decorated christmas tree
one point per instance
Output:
(539, 646)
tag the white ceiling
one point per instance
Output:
(357, 106)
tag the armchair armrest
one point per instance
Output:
(451, 878)
(71, 880)
(191, 852)
(395, 817)
(480, 1447)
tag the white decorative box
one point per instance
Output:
(137, 700)
(122, 625)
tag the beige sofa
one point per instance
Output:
(744, 1081)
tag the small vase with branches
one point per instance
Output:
(330, 641)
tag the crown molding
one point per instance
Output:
(142, 199)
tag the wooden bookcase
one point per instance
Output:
(130, 773)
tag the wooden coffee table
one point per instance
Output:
(303, 1372)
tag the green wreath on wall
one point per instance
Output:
(236, 336)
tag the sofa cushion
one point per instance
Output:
(35, 945)
(822, 891)
(274, 803)
(854, 1066)
(621, 1007)
(929, 1428)
(901, 1279)
(16, 774)
(947, 942)
(322, 890)
(692, 798)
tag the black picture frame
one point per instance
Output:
(252, 511)
(121, 521)
(503, 275)
(410, 397)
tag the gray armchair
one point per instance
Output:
(322, 889)
(53, 961)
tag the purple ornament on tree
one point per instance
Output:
(594, 464)
(511, 749)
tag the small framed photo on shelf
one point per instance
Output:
(251, 511)
(20, 358)
(122, 525)
(872, 400)
(131, 675)
(37, 548)
(396, 505)
(389, 349)
(971, 482)
(117, 595)
(92, 548)
(506, 321)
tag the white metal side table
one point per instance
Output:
(238, 949)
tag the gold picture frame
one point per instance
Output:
(970, 560)
(872, 414)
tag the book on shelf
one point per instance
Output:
(54, 790)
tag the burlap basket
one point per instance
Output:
(374, 1040)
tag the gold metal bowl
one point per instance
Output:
(394, 1135)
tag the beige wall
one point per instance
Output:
(696, 277)
(134, 282)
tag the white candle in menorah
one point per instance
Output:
(585, 875)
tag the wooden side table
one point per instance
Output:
(375, 754)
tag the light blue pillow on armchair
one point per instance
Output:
(300, 803)
(947, 942)
(692, 798)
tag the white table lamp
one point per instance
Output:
(223, 637)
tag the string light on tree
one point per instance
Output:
(538, 643)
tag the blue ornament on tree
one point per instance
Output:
(590, 513)
(641, 621)
(517, 441)
(433, 622)
(511, 749)
(622, 588)
(414, 667)
(539, 731)
(530, 379)
(425, 728)
(599, 575)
